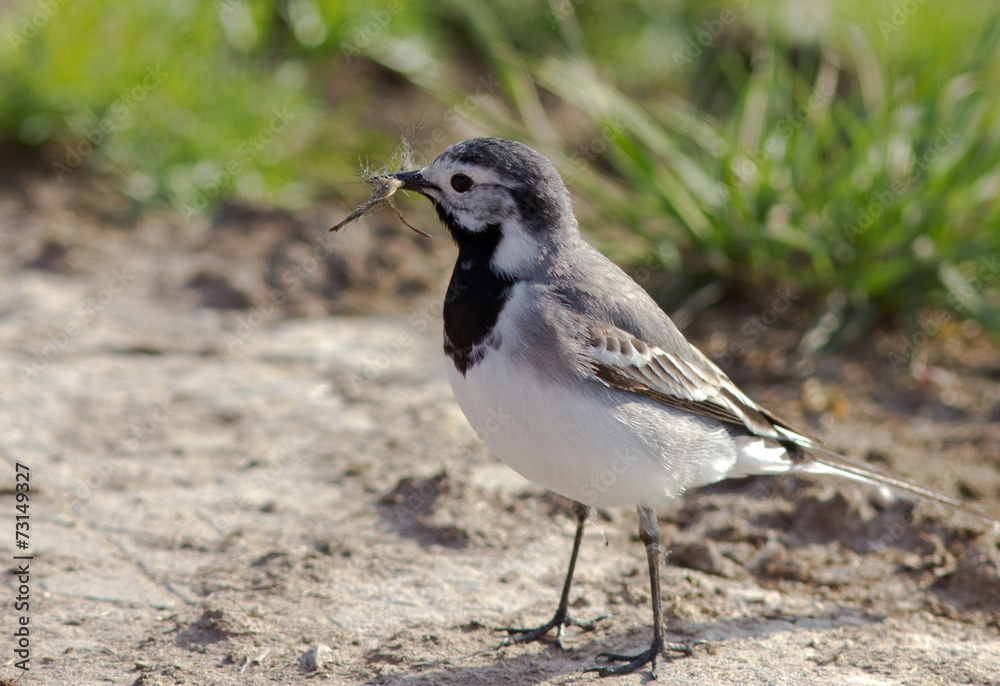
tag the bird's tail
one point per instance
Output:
(823, 461)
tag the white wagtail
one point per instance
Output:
(603, 400)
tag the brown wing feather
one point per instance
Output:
(625, 362)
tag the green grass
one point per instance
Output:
(189, 102)
(860, 164)
(851, 150)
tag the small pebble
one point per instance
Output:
(316, 658)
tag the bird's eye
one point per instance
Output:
(461, 183)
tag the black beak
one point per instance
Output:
(412, 181)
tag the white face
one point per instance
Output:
(475, 198)
(473, 195)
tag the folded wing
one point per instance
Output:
(691, 382)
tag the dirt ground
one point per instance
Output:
(247, 467)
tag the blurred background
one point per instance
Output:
(847, 151)
(224, 474)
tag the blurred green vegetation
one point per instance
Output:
(850, 148)
(235, 108)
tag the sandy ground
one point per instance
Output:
(229, 486)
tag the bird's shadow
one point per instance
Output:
(535, 663)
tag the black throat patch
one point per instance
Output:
(476, 296)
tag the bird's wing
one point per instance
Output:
(688, 381)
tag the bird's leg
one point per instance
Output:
(561, 619)
(649, 534)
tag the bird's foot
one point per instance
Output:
(647, 657)
(559, 622)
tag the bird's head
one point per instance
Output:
(501, 193)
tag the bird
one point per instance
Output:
(572, 375)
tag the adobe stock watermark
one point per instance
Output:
(250, 487)
(708, 32)
(431, 312)
(896, 530)
(247, 151)
(986, 270)
(766, 488)
(561, 10)
(496, 419)
(901, 13)
(664, 254)
(364, 35)
(118, 114)
(756, 326)
(593, 149)
(83, 316)
(32, 21)
(386, 354)
(748, 167)
(413, 497)
(128, 443)
(622, 464)
(250, 323)
(457, 114)
(883, 200)
(291, 280)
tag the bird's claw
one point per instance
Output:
(559, 622)
(647, 657)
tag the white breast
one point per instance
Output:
(585, 441)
